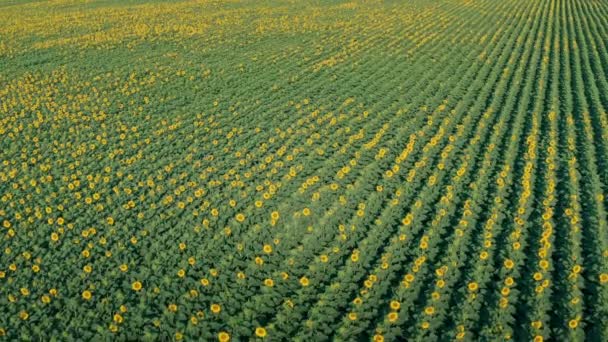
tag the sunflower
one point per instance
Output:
(223, 336)
(260, 332)
(473, 286)
(118, 318)
(392, 317)
(267, 249)
(86, 295)
(395, 305)
(136, 286)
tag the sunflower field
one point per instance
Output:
(310, 170)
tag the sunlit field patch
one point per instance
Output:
(303, 170)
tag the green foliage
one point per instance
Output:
(303, 170)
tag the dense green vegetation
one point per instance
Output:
(304, 170)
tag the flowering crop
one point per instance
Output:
(303, 170)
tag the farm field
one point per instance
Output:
(304, 170)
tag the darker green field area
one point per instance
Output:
(304, 170)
